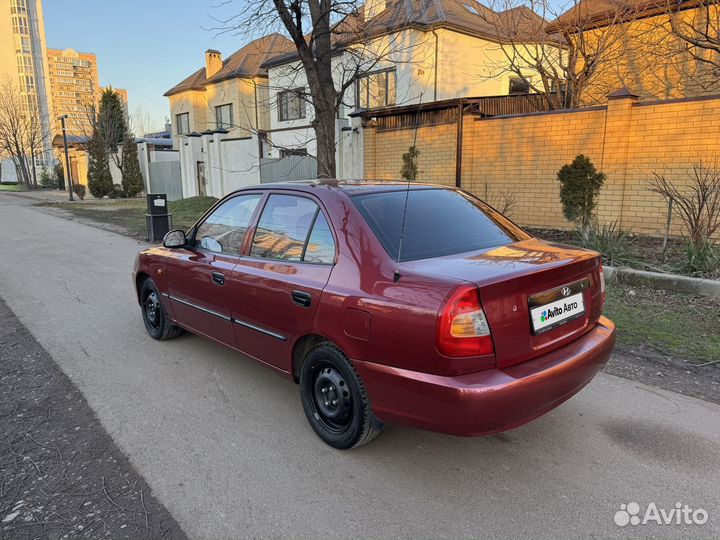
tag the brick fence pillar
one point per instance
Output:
(615, 154)
(369, 131)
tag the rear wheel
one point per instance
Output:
(334, 398)
(157, 322)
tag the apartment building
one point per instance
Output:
(23, 60)
(74, 86)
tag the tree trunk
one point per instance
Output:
(324, 124)
(34, 172)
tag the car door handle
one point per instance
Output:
(301, 298)
(218, 278)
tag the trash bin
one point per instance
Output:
(158, 219)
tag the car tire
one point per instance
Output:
(157, 322)
(335, 400)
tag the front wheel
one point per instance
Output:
(157, 322)
(334, 398)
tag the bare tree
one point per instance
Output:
(557, 50)
(336, 42)
(697, 201)
(140, 122)
(698, 25)
(24, 132)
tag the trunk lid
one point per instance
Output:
(516, 277)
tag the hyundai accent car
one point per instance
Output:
(387, 302)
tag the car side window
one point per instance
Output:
(223, 231)
(320, 248)
(284, 226)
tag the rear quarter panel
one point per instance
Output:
(402, 315)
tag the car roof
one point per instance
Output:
(351, 187)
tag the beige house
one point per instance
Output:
(410, 53)
(644, 51)
(230, 94)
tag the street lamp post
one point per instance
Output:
(68, 172)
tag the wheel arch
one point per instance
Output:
(300, 349)
(140, 278)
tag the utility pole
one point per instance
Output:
(68, 172)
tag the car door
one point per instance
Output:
(276, 288)
(199, 276)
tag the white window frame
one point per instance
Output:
(179, 124)
(225, 109)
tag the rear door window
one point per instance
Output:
(438, 222)
(293, 228)
(320, 248)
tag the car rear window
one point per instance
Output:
(438, 222)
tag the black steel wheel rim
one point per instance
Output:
(152, 310)
(331, 398)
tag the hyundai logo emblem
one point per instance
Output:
(565, 291)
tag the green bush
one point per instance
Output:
(580, 185)
(610, 240)
(703, 258)
(117, 192)
(48, 179)
(100, 181)
(59, 174)
(409, 170)
(132, 180)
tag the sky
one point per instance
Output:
(144, 46)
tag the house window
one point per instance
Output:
(519, 86)
(376, 89)
(224, 116)
(183, 123)
(291, 104)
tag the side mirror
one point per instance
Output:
(175, 239)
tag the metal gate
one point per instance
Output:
(288, 168)
(165, 177)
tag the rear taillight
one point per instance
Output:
(462, 327)
(602, 286)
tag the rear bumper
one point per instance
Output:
(492, 400)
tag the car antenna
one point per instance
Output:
(396, 275)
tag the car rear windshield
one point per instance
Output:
(438, 222)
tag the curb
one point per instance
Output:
(666, 282)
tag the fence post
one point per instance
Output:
(614, 155)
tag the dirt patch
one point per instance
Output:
(644, 252)
(668, 372)
(119, 228)
(61, 475)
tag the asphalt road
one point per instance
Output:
(225, 447)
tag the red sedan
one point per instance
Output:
(417, 305)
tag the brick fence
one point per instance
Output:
(521, 154)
